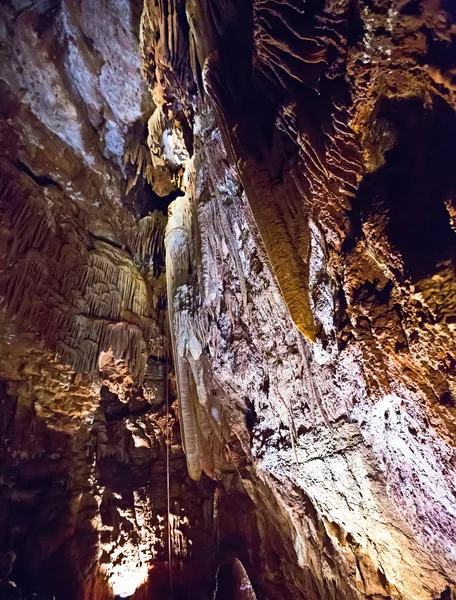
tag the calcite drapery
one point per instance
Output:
(81, 276)
(307, 149)
(330, 115)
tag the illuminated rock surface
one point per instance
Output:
(227, 245)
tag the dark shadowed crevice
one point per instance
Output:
(42, 180)
(420, 177)
(417, 178)
(153, 201)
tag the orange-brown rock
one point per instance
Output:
(227, 266)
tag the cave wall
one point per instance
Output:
(85, 369)
(299, 300)
(320, 194)
(81, 278)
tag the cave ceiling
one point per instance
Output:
(227, 299)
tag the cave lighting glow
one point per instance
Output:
(125, 582)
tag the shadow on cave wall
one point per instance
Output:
(37, 516)
(417, 146)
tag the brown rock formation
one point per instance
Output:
(254, 237)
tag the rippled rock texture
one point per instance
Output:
(82, 437)
(314, 328)
(248, 206)
(86, 438)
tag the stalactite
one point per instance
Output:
(147, 240)
(290, 266)
(74, 295)
(187, 335)
(177, 267)
(138, 154)
(157, 125)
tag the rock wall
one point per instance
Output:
(319, 204)
(81, 278)
(95, 493)
(298, 301)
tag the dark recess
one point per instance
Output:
(415, 181)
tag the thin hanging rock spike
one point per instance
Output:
(177, 264)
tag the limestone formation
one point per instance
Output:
(228, 299)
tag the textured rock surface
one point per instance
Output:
(81, 274)
(306, 152)
(87, 161)
(337, 120)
